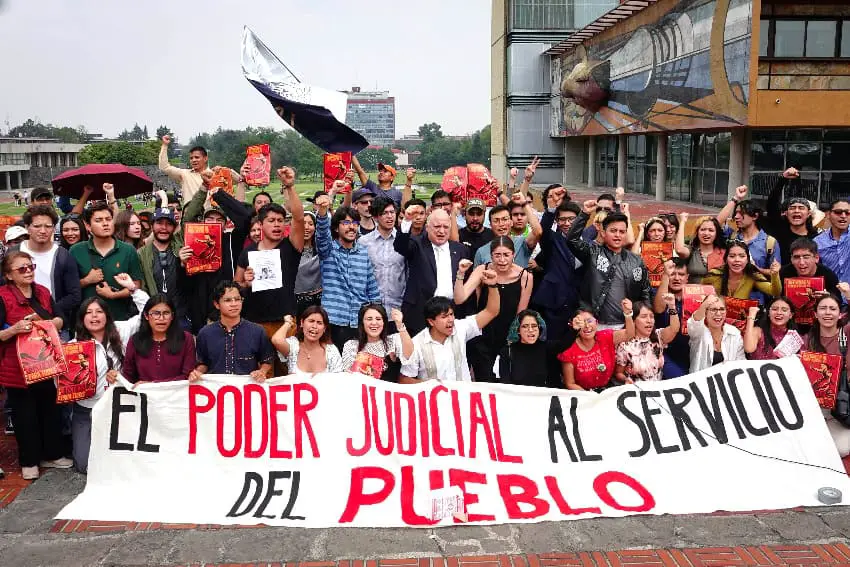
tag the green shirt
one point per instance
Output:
(122, 258)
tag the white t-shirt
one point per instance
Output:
(464, 330)
(43, 265)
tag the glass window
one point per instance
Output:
(764, 37)
(804, 156)
(789, 38)
(723, 142)
(770, 157)
(845, 38)
(836, 157)
(820, 38)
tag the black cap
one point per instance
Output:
(316, 196)
(40, 193)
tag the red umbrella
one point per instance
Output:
(127, 180)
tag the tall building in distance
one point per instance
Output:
(373, 115)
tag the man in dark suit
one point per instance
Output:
(432, 263)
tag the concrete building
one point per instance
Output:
(373, 115)
(522, 32)
(689, 99)
(19, 155)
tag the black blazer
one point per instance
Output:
(422, 274)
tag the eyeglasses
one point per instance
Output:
(231, 300)
(347, 222)
(159, 314)
(529, 326)
(25, 269)
(588, 321)
(802, 257)
(840, 212)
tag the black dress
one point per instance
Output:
(482, 351)
(524, 365)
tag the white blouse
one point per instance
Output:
(702, 344)
(332, 358)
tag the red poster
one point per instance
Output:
(205, 241)
(335, 166)
(259, 162)
(455, 181)
(801, 292)
(654, 255)
(5, 222)
(692, 297)
(737, 311)
(823, 371)
(481, 184)
(40, 353)
(80, 381)
(368, 364)
(222, 181)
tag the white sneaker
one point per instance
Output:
(61, 463)
(29, 473)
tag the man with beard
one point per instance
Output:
(677, 354)
(612, 273)
(348, 279)
(362, 203)
(161, 263)
(834, 244)
(475, 235)
(388, 264)
(101, 258)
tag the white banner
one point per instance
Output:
(344, 450)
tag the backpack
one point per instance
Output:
(769, 244)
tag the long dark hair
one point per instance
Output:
(111, 337)
(362, 338)
(749, 269)
(122, 223)
(503, 241)
(174, 337)
(813, 343)
(312, 310)
(648, 225)
(84, 235)
(719, 238)
(653, 336)
(764, 321)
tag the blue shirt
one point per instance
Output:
(348, 279)
(522, 253)
(241, 350)
(835, 254)
(758, 249)
(392, 193)
(390, 267)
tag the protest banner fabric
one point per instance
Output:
(348, 450)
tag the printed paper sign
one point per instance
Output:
(259, 162)
(268, 273)
(40, 353)
(80, 381)
(205, 241)
(348, 450)
(654, 255)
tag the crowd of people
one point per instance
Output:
(374, 280)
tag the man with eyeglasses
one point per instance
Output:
(390, 270)
(348, 278)
(834, 244)
(362, 202)
(232, 345)
(677, 354)
(55, 269)
(805, 263)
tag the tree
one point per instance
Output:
(137, 134)
(34, 129)
(370, 158)
(428, 132)
(121, 152)
(166, 131)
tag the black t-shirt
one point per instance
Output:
(475, 240)
(272, 304)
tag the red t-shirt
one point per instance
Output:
(594, 368)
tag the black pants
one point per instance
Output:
(341, 335)
(81, 434)
(38, 423)
(481, 356)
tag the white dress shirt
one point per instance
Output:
(464, 330)
(445, 281)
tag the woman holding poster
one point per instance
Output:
(95, 322)
(712, 339)
(707, 247)
(376, 353)
(776, 335)
(589, 363)
(38, 419)
(827, 336)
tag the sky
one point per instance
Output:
(107, 64)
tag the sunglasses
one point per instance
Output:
(25, 269)
(840, 212)
(347, 222)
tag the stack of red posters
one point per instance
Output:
(737, 311)
(823, 371)
(801, 292)
(692, 297)
(80, 381)
(40, 353)
(205, 241)
(481, 184)
(654, 255)
(455, 181)
(259, 164)
(335, 166)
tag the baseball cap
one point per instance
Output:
(316, 196)
(386, 167)
(14, 232)
(360, 193)
(797, 201)
(214, 210)
(40, 193)
(475, 204)
(164, 213)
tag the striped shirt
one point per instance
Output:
(348, 280)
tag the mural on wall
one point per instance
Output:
(688, 69)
